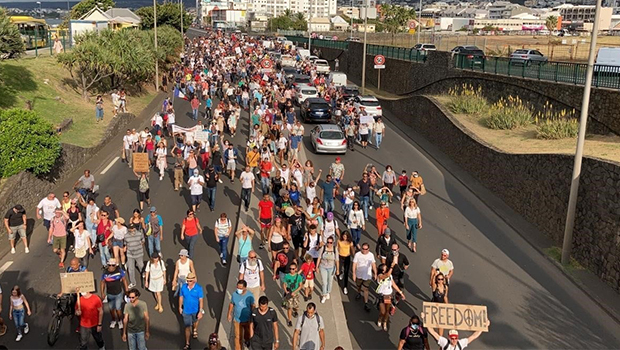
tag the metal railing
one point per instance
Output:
(558, 72)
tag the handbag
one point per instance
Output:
(80, 252)
(422, 189)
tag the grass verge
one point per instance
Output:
(555, 253)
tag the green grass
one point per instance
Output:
(555, 253)
(43, 82)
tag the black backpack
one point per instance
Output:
(318, 321)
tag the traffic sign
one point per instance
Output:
(266, 63)
(413, 24)
(379, 62)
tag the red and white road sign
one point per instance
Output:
(379, 62)
(266, 64)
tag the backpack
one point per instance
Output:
(457, 347)
(318, 321)
(144, 185)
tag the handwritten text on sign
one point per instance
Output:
(141, 162)
(455, 316)
(84, 280)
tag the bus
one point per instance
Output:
(34, 31)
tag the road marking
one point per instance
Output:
(5, 266)
(109, 166)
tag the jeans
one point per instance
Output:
(246, 196)
(346, 208)
(345, 263)
(327, 277)
(378, 138)
(412, 232)
(85, 332)
(328, 204)
(195, 114)
(211, 196)
(154, 244)
(104, 254)
(264, 181)
(223, 247)
(131, 265)
(136, 341)
(245, 103)
(356, 235)
(191, 242)
(18, 318)
(365, 200)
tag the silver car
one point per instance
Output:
(328, 138)
(527, 57)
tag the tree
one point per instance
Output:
(82, 7)
(394, 18)
(11, 44)
(167, 14)
(288, 20)
(551, 23)
(29, 143)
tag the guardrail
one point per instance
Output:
(558, 72)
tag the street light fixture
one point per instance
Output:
(40, 10)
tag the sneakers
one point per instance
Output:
(224, 262)
(12, 250)
(113, 324)
(358, 296)
(26, 328)
(61, 265)
(341, 277)
(392, 311)
(370, 207)
(295, 314)
(289, 323)
(131, 285)
(323, 299)
(120, 325)
(27, 250)
(346, 291)
(366, 307)
(327, 296)
(19, 337)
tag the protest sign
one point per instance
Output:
(140, 162)
(201, 135)
(455, 316)
(83, 280)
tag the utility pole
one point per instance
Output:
(310, 28)
(419, 22)
(364, 58)
(182, 37)
(156, 55)
(352, 18)
(583, 119)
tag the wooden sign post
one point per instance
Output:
(84, 280)
(456, 316)
(140, 162)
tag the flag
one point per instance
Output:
(179, 94)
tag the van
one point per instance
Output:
(608, 56)
(338, 78)
(607, 66)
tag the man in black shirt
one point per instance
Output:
(297, 228)
(211, 178)
(284, 259)
(111, 208)
(364, 187)
(402, 264)
(283, 202)
(264, 327)
(15, 222)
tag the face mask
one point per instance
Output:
(395, 252)
(83, 293)
(416, 175)
(415, 327)
(239, 291)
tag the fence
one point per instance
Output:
(37, 45)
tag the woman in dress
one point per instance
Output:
(413, 222)
(160, 155)
(83, 245)
(308, 172)
(386, 289)
(155, 278)
(18, 308)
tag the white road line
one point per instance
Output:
(5, 266)
(109, 166)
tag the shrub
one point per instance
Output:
(508, 114)
(558, 128)
(467, 100)
(27, 142)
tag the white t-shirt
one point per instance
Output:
(329, 229)
(222, 228)
(119, 233)
(251, 275)
(443, 266)
(282, 142)
(127, 141)
(364, 265)
(48, 207)
(412, 213)
(442, 342)
(246, 178)
(310, 193)
(286, 174)
(312, 246)
(171, 118)
(194, 184)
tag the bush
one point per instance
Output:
(27, 142)
(467, 100)
(558, 128)
(509, 114)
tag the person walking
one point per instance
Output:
(89, 309)
(46, 209)
(241, 303)
(382, 215)
(252, 271)
(57, 235)
(143, 189)
(414, 336)
(104, 232)
(384, 245)
(454, 343)
(134, 243)
(99, 109)
(195, 104)
(244, 237)
(117, 240)
(329, 266)
(413, 222)
(183, 267)
(357, 223)
(443, 265)
(191, 307)
(222, 229)
(247, 186)
(136, 321)
(399, 263)
(18, 309)
(155, 279)
(292, 282)
(112, 286)
(83, 246)
(15, 222)
(212, 178)
(160, 159)
(154, 230)
(196, 184)
(190, 229)
(265, 211)
(309, 330)
(386, 289)
(346, 249)
(379, 129)
(364, 269)
(264, 327)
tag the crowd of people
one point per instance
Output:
(222, 78)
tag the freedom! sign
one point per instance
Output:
(456, 316)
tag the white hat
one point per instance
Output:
(445, 251)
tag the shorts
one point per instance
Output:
(144, 196)
(362, 283)
(298, 241)
(292, 301)
(196, 198)
(265, 223)
(189, 319)
(59, 242)
(276, 246)
(115, 301)
(47, 224)
(309, 284)
(231, 165)
(364, 137)
(118, 243)
(17, 229)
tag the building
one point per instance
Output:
(511, 24)
(581, 17)
(228, 18)
(505, 9)
(320, 24)
(351, 12)
(275, 8)
(359, 27)
(97, 19)
(339, 24)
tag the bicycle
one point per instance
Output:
(63, 308)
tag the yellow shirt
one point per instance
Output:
(344, 248)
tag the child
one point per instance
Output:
(307, 270)
(403, 180)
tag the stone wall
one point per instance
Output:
(535, 185)
(437, 75)
(27, 189)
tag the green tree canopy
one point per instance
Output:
(167, 14)
(82, 7)
(394, 18)
(288, 21)
(28, 143)
(11, 44)
(551, 23)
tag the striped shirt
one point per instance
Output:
(133, 241)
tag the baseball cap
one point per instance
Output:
(337, 158)
(453, 333)
(445, 251)
(112, 262)
(153, 209)
(330, 216)
(183, 252)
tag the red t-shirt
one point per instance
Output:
(191, 227)
(90, 311)
(307, 269)
(265, 209)
(104, 229)
(265, 168)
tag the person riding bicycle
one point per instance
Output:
(85, 185)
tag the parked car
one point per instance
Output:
(527, 57)
(316, 109)
(328, 138)
(471, 57)
(458, 49)
(350, 92)
(338, 78)
(353, 38)
(370, 104)
(305, 91)
(312, 58)
(289, 73)
(322, 66)
(607, 63)
(423, 48)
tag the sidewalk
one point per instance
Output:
(332, 312)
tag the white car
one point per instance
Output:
(322, 66)
(287, 61)
(312, 58)
(370, 104)
(304, 91)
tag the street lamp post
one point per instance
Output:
(351, 18)
(364, 58)
(156, 54)
(40, 10)
(583, 119)
(310, 29)
(419, 22)
(182, 37)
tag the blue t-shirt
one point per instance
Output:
(242, 306)
(159, 219)
(191, 298)
(328, 188)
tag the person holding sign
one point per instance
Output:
(454, 343)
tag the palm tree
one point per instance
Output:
(551, 23)
(395, 18)
(288, 13)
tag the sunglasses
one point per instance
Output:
(440, 279)
(251, 257)
(132, 298)
(190, 214)
(330, 242)
(64, 195)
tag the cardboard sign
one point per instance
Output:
(455, 316)
(367, 119)
(140, 162)
(83, 280)
(201, 136)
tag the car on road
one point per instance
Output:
(328, 138)
(305, 91)
(527, 57)
(424, 48)
(353, 38)
(312, 58)
(370, 104)
(349, 92)
(301, 79)
(316, 109)
(322, 66)
(288, 61)
(289, 73)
